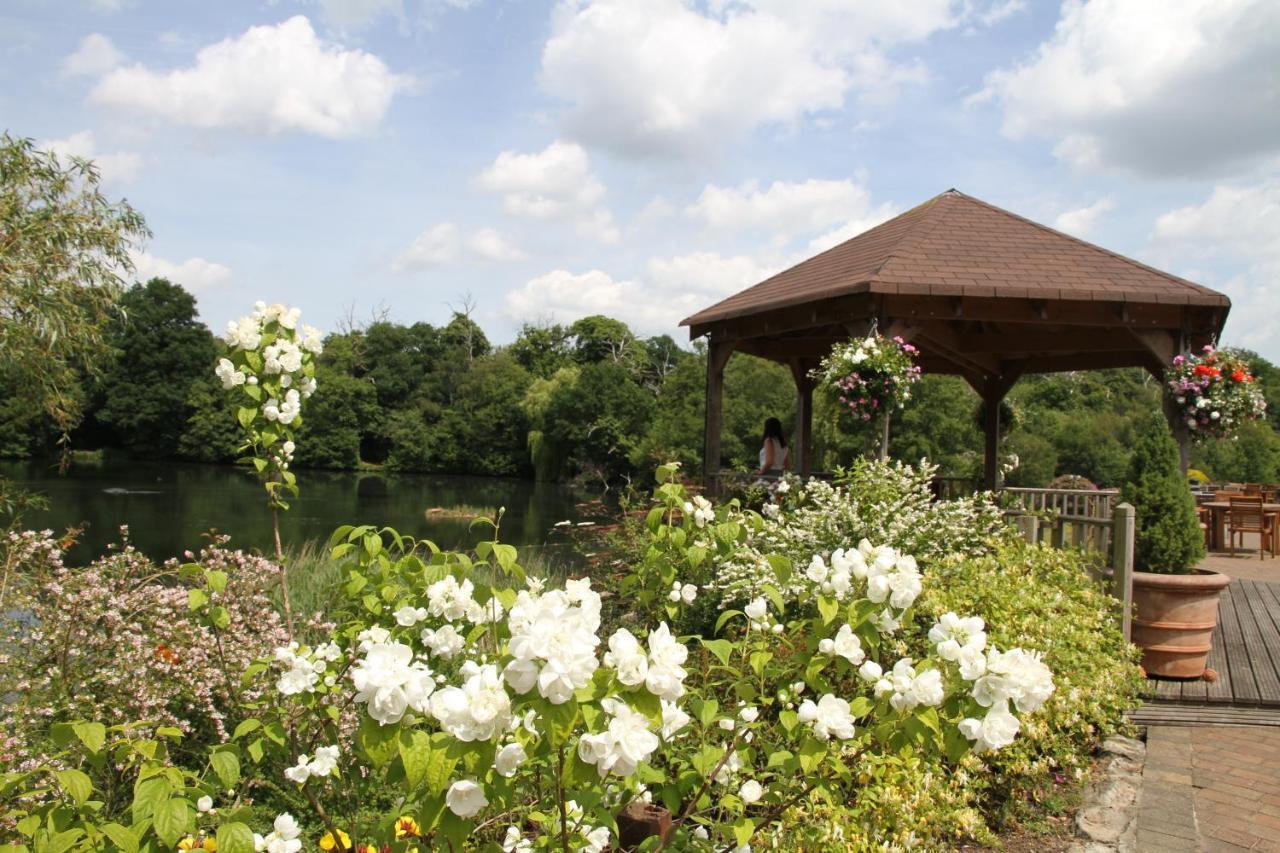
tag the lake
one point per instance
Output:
(168, 506)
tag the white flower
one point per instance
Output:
(300, 772)
(509, 759)
(953, 635)
(444, 642)
(703, 512)
(673, 719)
(205, 804)
(994, 731)
(726, 724)
(226, 371)
(478, 709)
(465, 798)
(515, 842)
(1015, 675)
(553, 640)
(408, 616)
(749, 714)
(847, 645)
(312, 340)
(750, 792)
(817, 570)
(627, 657)
(623, 745)
(830, 717)
(244, 333)
(282, 839)
(597, 839)
(769, 510)
(271, 409)
(666, 673)
(390, 682)
(325, 762)
(688, 593)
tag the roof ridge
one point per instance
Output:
(930, 221)
(1125, 258)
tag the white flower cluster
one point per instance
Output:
(688, 593)
(623, 745)
(226, 371)
(466, 798)
(389, 681)
(283, 357)
(477, 710)
(553, 640)
(453, 601)
(443, 642)
(590, 839)
(907, 688)
(830, 717)
(283, 837)
(1016, 676)
(661, 671)
(845, 644)
(324, 763)
(700, 510)
(284, 412)
(304, 667)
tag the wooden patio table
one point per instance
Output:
(1219, 510)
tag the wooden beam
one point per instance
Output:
(993, 391)
(776, 321)
(1032, 340)
(718, 353)
(939, 336)
(803, 442)
(1086, 361)
(1100, 313)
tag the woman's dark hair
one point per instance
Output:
(773, 429)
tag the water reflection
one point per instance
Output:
(168, 506)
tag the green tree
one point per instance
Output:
(340, 412)
(64, 249)
(161, 350)
(1167, 537)
(542, 349)
(211, 433)
(598, 338)
(599, 420)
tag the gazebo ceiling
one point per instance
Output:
(977, 288)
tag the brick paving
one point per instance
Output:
(1210, 789)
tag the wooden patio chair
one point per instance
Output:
(1247, 516)
(1206, 519)
(1225, 495)
(1253, 489)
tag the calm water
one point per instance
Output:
(168, 506)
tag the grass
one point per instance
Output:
(465, 511)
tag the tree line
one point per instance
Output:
(589, 400)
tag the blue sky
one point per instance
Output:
(644, 158)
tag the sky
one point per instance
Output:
(540, 161)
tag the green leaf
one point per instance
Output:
(92, 735)
(217, 580)
(440, 766)
(196, 599)
(245, 416)
(781, 568)
(125, 838)
(415, 753)
(378, 742)
(235, 838)
(560, 720)
(789, 720)
(812, 751)
(775, 598)
(76, 784)
(828, 608)
(725, 617)
(706, 711)
(226, 764)
(148, 794)
(722, 649)
(219, 616)
(245, 727)
(861, 706)
(59, 841)
(506, 556)
(743, 829)
(170, 820)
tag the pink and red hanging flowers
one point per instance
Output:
(1215, 392)
(871, 376)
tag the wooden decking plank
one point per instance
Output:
(1220, 689)
(1167, 713)
(1166, 689)
(1243, 686)
(1265, 644)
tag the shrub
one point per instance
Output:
(1167, 537)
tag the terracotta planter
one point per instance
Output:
(1174, 620)
(641, 820)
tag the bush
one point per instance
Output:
(1043, 598)
(1167, 538)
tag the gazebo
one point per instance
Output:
(983, 293)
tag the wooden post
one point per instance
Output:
(803, 440)
(718, 353)
(885, 417)
(991, 432)
(1029, 527)
(1122, 563)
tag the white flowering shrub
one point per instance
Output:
(889, 503)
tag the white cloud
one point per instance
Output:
(490, 245)
(433, 247)
(195, 274)
(672, 289)
(1237, 225)
(786, 209)
(115, 168)
(1080, 221)
(268, 80)
(663, 76)
(555, 183)
(1150, 86)
(95, 55)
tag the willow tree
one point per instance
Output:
(64, 255)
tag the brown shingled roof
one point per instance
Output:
(957, 245)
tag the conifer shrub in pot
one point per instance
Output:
(1176, 604)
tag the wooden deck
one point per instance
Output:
(1246, 656)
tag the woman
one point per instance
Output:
(774, 456)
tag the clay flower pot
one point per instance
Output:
(1174, 620)
(641, 820)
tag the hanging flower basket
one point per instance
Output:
(1215, 392)
(871, 376)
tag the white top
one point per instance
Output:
(779, 454)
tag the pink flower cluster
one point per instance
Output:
(1215, 392)
(114, 641)
(872, 375)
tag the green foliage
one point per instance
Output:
(338, 414)
(599, 419)
(1168, 537)
(162, 351)
(65, 250)
(1253, 456)
(211, 433)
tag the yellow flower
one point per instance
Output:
(367, 848)
(187, 842)
(328, 842)
(407, 827)
(210, 844)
